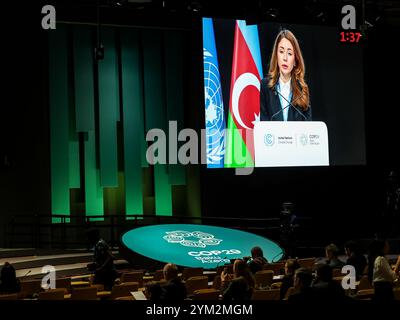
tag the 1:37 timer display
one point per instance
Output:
(350, 37)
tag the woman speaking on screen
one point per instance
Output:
(284, 95)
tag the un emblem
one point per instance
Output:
(269, 139)
(215, 123)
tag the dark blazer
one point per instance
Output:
(287, 282)
(173, 290)
(237, 289)
(270, 104)
(257, 264)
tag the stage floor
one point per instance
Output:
(192, 245)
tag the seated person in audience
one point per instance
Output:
(257, 260)
(355, 259)
(174, 289)
(380, 273)
(8, 280)
(153, 291)
(324, 286)
(291, 266)
(302, 285)
(331, 253)
(324, 275)
(241, 286)
(103, 265)
(397, 266)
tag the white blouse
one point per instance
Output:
(285, 90)
(383, 271)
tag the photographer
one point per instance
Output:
(288, 226)
(103, 265)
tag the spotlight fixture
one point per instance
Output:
(315, 10)
(272, 13)
(118, 3)
(99, 52)
(194, 6)
(321, 16)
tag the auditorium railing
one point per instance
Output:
(62, 231)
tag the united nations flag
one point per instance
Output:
(214, 106)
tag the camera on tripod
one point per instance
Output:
(287, 217)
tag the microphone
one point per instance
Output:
(289, 105)
(281, 252)
(281, 110)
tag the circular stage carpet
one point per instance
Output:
(193, 245)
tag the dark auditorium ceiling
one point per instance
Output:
(154, 12)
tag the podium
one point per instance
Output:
(291, 143)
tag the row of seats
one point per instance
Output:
(196, 281)
(92, 292)
(123, 293)
(193, 277)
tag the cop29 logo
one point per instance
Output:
(196, 239)
(303, 139)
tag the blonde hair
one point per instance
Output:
(300, 92)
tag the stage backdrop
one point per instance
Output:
(99, 116)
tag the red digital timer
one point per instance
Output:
(352, 37)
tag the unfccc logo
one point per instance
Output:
(269, 139)
(201, 239)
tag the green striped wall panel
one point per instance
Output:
(133, 121)
(162, 189)
(59, 126)
(94, 203)
(84, 87)
(74, 164)
(151, 94)
(155, 113)
(174, 94)
(85, 118)
(153, 80)
(108, 105)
